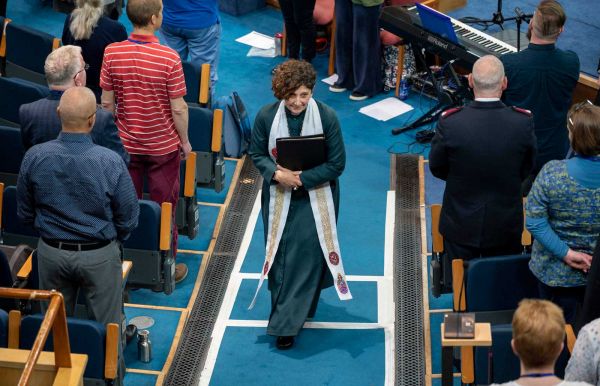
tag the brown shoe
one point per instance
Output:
(181, 271)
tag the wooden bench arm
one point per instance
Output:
(125, 268)
(437, 238)
(26, 268)
(570, 337)
(458, 285)
(204, 84)
(189, 183)
(217, 131)
(166, 218)
(111, 358)
(14, 329)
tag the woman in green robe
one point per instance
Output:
(299, 270)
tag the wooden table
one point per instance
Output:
(483, 337)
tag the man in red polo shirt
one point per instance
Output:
(143, 85)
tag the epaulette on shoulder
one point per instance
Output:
(522, 111)
(451, 111)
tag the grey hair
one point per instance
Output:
(84, 18)
(62, 65)
(488, 73)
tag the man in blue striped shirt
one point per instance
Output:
(81, 200)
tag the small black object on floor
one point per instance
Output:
(285, 342)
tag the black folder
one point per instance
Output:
(301, 153)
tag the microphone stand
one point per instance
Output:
(519, 19)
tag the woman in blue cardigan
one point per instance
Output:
(563, 214)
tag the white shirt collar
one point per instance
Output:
(487, 99)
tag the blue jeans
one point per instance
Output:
(201, 45)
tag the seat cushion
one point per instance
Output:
(323, 12)
(388, 38)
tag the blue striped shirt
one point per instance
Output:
(72, 189)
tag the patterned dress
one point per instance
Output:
(573, 212)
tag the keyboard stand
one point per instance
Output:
(445, 100)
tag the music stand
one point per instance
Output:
(445, 100)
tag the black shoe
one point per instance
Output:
(285, 342)
(130, 332)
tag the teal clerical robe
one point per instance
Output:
(299, 271)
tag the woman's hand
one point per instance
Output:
(289, 179)
(578, 260)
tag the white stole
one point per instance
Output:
(321, 202)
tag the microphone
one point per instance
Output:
(521, 15)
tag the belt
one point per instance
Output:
(75, 246)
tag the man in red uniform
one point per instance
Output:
(143, 85)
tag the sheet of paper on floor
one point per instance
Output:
(330, 80)
(268, 53)
(386, 109)
(258, 40)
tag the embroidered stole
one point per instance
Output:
(321, 202)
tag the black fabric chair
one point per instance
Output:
(149, 249)
(205, 134)
(26, 52)
(492, 287)
(3, 329)
(13, 93)
(11, 154)
(197, 83)
(85, 337)
(14, 232)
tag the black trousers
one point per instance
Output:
(454, 250)
(567, 298)
(358, 47)
(590, 309)
(299, 28)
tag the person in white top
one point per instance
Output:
(584, 364)
(538, 336)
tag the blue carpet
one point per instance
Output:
(361, 309)
(209, 194)
(136, 379)
(435, 321)
(320, 357)
(183, 291)
(438, 382)
(162, 334)
(208, 219)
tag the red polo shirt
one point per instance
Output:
(144, 76)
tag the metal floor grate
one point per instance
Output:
(408, 287)
(196, 337)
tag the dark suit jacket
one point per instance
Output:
(483, 151)
(40, 123)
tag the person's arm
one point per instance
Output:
(125, 205)
(336, 153)
(25, 198)
(109, 135)
(179, 109)
(585, 359)
(108, 101)
(537, 222)
(259, 143)
(438, 155)
(530, 152)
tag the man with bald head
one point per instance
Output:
(81, 200)
(483, 151)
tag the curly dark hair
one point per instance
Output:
(290, 75)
